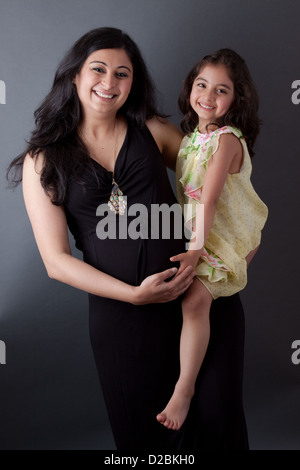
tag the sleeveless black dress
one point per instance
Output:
(136, 348)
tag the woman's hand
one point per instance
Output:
(155, 289)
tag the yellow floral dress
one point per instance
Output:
(239, 218)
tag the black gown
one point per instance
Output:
(136, 348)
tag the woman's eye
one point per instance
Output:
(98, 69)
(122, 75)
(220, 90)
(201, 85)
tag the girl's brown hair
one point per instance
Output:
(243, 112)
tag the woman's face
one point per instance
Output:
(104, 82)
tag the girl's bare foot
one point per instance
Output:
(175, 413)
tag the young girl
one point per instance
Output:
(220, 105)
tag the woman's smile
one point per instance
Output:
(103, 95)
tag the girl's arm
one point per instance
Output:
(227, 159)
(251, 255)
(51, 233)
(168, 139)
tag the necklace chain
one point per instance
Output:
(117, 201)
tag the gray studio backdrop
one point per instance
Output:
(50, 397)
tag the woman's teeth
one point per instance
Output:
(103, 95)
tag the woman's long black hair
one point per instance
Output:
(243, 112)
(59, 115)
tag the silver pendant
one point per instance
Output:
(117, 201)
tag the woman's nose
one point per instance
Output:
(109, 80)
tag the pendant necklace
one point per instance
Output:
(117, 201)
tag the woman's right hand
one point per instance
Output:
(155, 289)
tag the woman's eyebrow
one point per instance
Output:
(103, 63)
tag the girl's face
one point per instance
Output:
(212, 94)
(104, 82)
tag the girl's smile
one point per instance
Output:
(212, 94)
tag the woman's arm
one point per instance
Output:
(168, 139)
(51, 234)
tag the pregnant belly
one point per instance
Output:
(130, 260)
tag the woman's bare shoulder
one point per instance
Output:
(163, 128)
(168, 138)
(34, 162)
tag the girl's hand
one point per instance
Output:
(189, 258)
(154, 289)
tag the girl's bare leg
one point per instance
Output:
(193, 345)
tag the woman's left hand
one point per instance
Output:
(155, 289)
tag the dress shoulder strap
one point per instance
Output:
(203, 146)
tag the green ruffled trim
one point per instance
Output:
(212, 274)
(197, 148)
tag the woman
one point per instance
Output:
(98, 139)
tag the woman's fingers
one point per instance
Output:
(178, 285)
(182, 276)
(167, 274)
(182, 281)
(187, 273)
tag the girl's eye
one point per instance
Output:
(201, 85)
(220, 90)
